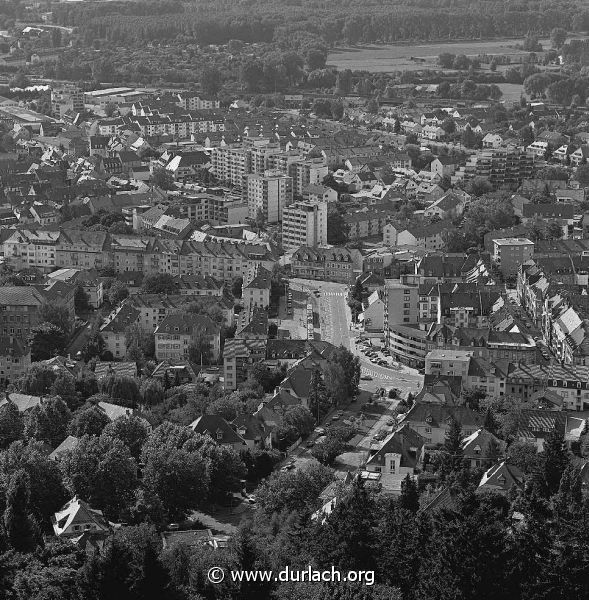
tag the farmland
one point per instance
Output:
(397, 57)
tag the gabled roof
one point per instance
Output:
(78, 512)
(217, 428)
(437, 415)
(106, 368)
(406, 442)
(69, 443)
(187, 324)
(501, 477)
(477, 444)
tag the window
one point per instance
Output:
(428, 429)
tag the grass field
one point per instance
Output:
(386, 58)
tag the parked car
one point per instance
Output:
(366, 378)
(310, 444)
(319, 430)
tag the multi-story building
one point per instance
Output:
(15, 359)
(501, 166)
(510, 253)
(257, 283)
(401, 299)
(269, 194)
(327, 264)
(239, 355)
(448, 362)
(304, 224)
(305, 172)
(407, 344)
(195, 101)
(19, 310)
(113, 330)
(177, 332)
(66, 98)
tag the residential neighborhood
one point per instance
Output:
(272, 301)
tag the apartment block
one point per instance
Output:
(66, 98)
(401, 302)
(306, 172)
(269, 193)
(510, 253)
(304, 224)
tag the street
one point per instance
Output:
(335, 319)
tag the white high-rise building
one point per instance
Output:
(270, 193)
(304, 224)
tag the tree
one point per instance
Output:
(446, 60)
(175, 471)
(346, 539)
(236, 287)
(65, 387)
(47, 493)
(163, 179)
(139, 342)
(81, 300)
(122, 389)
(102, 471)
(569, 499)
(117, 292)
(318, 399)
(20, 80)
(316, 58)
(554, 231)
(88, 421)
(582, 174)
(46, 341)
(56, 315)
(335, 384)
(152, 392)
(110, 109)
(11, 424)
(200, 351)
(260, 220)
(130, 430)
(554, 461)
(159, 283)
(211, 81)
(297, 422)
(227, 406)
(479, 186)
(296, 490)
(21, 530)
(37, 381)
(469, 138)
(350, 364)
(409, 499)
(453, 442)
(48, 421)
(558, 37)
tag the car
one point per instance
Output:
(335, 418)
(365, 378)
(391, 422)
(310, 443)
(319, 430)
(250, 500)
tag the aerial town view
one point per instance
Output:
(294, 300)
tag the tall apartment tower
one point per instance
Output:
(270, 193)
(304, 224)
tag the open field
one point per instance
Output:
(397, 57)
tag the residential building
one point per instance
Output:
(256, 288)
(304, 224)
(407, 344)
(448, 362)
(366, 223)
(15, 359)
(316, 192)
(268, 194)
(239, 355)
(305, 172)
(400, 454)
(482, 448)
(219, 430)
(113, 330)
(401, 303)
(19, 310)
(373, 315)
(428, 237)
(501, 478)
(432, 421)
(510, 253)
(342, 265)
(450, 206)
(176, 333)
(77, 518)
